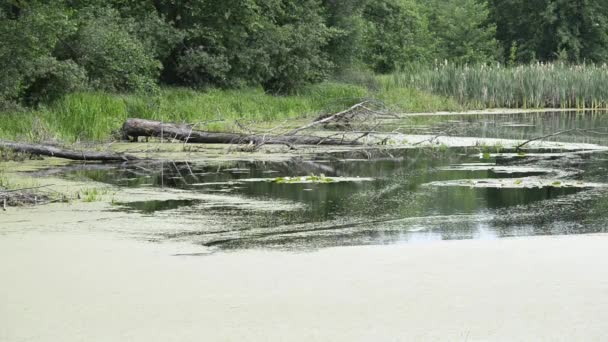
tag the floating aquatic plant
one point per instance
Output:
(304, 179)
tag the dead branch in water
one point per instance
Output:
(2, 192)
(346, 117)
(591, 130)
(25, 196)
(432, 139)
(53, 151)
(324, 120)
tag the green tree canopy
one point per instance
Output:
(462, 31)
(546, 30)
(396, 34)
(50, 47)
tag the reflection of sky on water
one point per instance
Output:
(397, 206)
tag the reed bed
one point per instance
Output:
(495, 86)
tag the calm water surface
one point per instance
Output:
(393, 201)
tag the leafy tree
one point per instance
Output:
(396, 35)
(296, 45)
(276, 43)
(345, 17)
(580, 28)
(222, 46)
(51, 49)
(29, 72)
(462, 31)
(547, 29)
(107, 47)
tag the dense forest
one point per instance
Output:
(50, 48)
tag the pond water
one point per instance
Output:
(392, 196)
(511, 126)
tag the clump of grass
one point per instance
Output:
(528, 86)
(92, 194)
(4, 182)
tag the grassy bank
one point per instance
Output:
(94, 116)
(530, 86)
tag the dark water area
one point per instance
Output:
(389, 197)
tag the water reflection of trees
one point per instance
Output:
(512, 126)
(395, 207)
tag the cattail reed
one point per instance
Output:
(528, 86)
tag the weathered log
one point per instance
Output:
(134, 128)
(52, 151)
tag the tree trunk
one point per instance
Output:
(52, 151)
(134, 128)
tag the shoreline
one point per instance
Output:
(503, 111)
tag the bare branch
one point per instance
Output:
(327, 119)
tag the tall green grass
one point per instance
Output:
(410, 99)
(94, 116)
(530, 86)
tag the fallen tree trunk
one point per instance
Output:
(52, 151)
(134, 128)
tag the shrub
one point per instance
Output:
(115, 60)
(296, 47)
(396, 35)
(28, 69)
(199, 68)
(51, 79)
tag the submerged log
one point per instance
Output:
(52, 151)
(134, 128)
